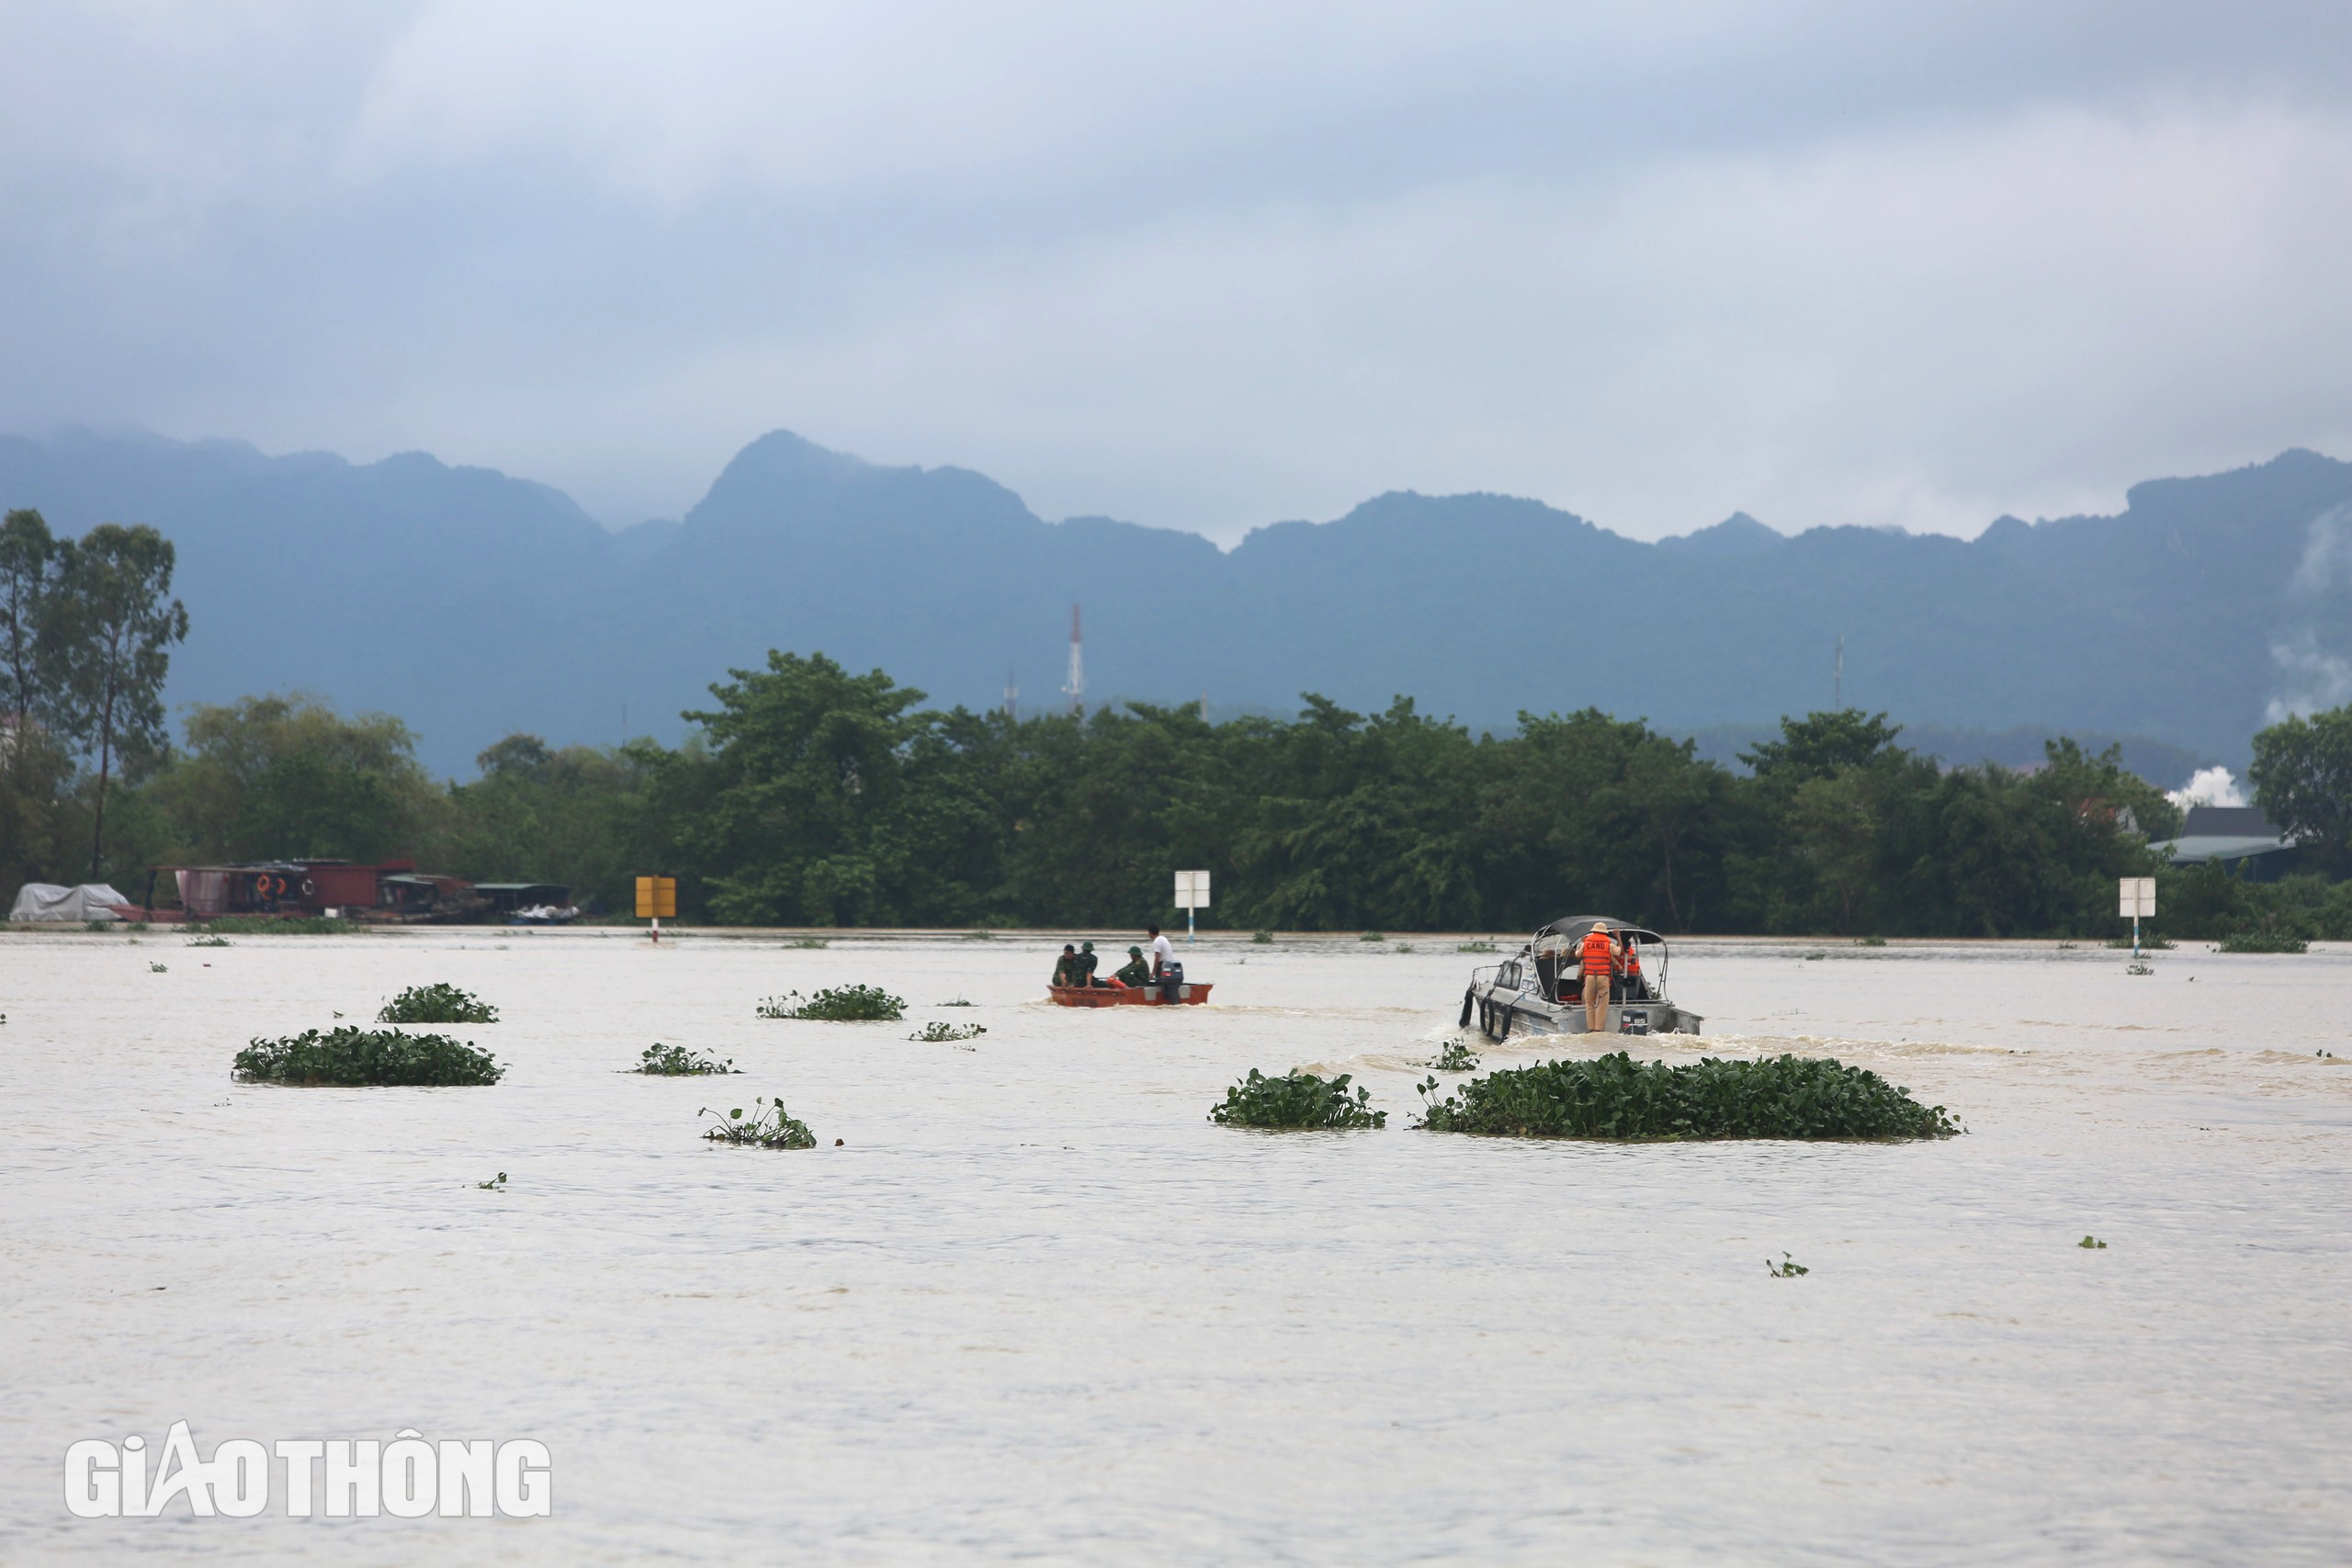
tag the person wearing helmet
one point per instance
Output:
(1082, 973)
(1135, 972)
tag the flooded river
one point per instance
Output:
(1036, 1307)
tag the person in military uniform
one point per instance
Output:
(1135, 972)
(1066, 972)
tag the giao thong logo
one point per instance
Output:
(341, 1478)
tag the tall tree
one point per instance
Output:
(119, 624)
(29, 564)
(2302, 779)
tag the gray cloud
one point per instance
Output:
(1202, 266)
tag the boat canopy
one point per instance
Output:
(1569, 929)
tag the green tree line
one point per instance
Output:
(812, 795)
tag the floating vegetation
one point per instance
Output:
(155, 968)
(937, 1034)
(437, 1003)
(958, 1002)
(2067, 946)
(980, 936)
(1615, 1097)
(2263, 941)
(1871, 941)
(1457, 1058)
(662, 1061)
(211, 942)
(2091, 1244)
(2152, 944)
(769, 1128)
(1374, 936)
(1296, 1099)
(2137, 969)
(495, 1184)
(1475, 947)
(355, 1056)
(816, 941)
(1786, 1269)
(1404, 947)
(1263, 939)
(839, 1004)
(1810, 956)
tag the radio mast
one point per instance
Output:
(1075, 689)
(1012, 699)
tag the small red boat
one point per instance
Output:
(1189, 993)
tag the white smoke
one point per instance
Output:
(2310, 678)
(2327, 545)
(2208, 786)
(2314, 678)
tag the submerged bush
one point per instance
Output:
(1296, 1099)
(839, 1004)
(355, 1056)
(2263, 941)
(676, 1062)
(769, 1128)
(938, 1033)
(280, 925)
(437, 1003)
(1616, 1096)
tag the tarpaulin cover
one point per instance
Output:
(47, 902)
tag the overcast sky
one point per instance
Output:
(1208, 265)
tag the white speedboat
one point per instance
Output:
(1524, 994)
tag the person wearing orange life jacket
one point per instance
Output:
(1629, 972)
(1598, 954)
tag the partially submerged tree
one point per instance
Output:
(117, 624)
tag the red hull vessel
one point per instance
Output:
(1192, 993)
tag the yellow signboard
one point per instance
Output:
(656, 897)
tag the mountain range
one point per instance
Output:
(473, 604)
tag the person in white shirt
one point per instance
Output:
(1163, 956)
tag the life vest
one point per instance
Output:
(1633, 961)
(1599, 952)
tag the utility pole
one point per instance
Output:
(1076, 687)
(1012, 699)
(1837, 681)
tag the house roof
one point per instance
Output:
(2228, 822)
(2194, 848)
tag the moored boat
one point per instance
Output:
(1524, 994)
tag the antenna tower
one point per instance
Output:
(1837, 681)
(1075, 689)
(1012, 699)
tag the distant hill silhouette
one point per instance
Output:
(473, 604)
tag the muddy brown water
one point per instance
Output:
(1037, 1307)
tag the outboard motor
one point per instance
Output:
(1172, 981)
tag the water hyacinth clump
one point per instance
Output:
(773, 1128)
(938, 1033)
(437, 1003)
(676, 1062)
(1296, 1099)
(839, 1004)
(352, 1055)
(1615, 1097)
(1456, 1058)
